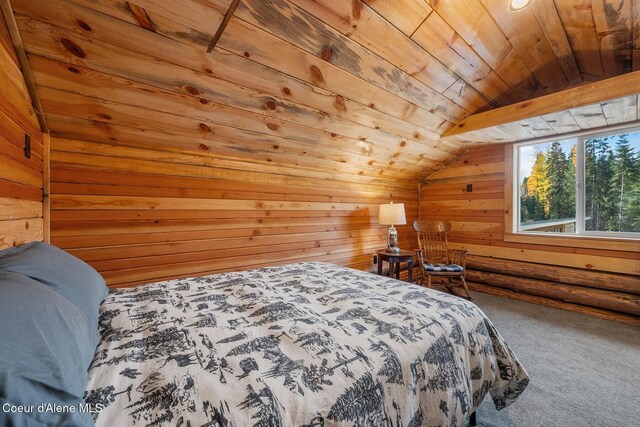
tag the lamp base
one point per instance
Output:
(392, 240)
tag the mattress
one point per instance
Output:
(305, 344)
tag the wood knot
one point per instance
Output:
(246, 54)
(73, 48)
(83, 25)
(204, 147)
(208, 70)
(270, 104)
(191, 90)
(416, 135)
(372, 105)
(395, 155)
(74, 70)
(273, 126)
(370, 162)
(403, 143)
(333, 134)
(316, 74)
(203, 101)
(276, 146)
(204, 127)
(286, 91)
(104, 116)
(339, 104)
(325, 53)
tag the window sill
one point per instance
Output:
(589, 242)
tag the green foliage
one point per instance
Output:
(549, 190)
(561, 195)
(598, 173)
(624, 188)
(612, 190)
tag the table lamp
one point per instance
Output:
(392, 214)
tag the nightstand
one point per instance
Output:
(394, 259)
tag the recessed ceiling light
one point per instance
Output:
(517, 5)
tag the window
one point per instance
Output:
(587, 185)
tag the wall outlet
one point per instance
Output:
(469, 188)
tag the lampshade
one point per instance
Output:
(392, 214)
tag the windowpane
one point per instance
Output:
(612, 183)
(547, 179)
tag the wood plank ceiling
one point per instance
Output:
(358, 89)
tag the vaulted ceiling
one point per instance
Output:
(355, 87)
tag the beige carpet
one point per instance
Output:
(584, 371)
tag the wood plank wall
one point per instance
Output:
(21, 178)
(583, 279)
(140, 215)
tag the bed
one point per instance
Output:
(307, 344)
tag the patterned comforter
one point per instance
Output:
(307, 344)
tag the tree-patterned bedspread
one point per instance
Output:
(306, 344)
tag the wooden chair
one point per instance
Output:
(436, 259)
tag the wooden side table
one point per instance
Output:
(394, 259)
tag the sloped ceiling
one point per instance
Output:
(358, 88)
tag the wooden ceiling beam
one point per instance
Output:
(590, 93)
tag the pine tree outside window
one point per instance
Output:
(588, 185)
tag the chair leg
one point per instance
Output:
(428, 280)
(446, 281)
(466, 288)
(421, 280)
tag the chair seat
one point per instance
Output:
(449, 268)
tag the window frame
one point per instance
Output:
(582, 238)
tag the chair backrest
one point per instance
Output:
(432, 240)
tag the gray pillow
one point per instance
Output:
(69, 276)
(46, 347)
